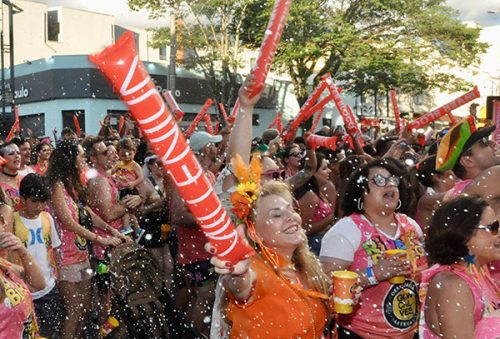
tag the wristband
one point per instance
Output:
(96, 236)
(372, 280)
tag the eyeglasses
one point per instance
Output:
(296, 155)
(382, 181)
(276, 174)
(492, 228)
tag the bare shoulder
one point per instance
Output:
(450, 287)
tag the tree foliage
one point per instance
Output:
(207, 33)
(372, 45)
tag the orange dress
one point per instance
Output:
(275, 310)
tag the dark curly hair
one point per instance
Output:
(358, 185)
(62, 167)
(451, 227)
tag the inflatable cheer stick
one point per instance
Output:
(172, 104)
(223, 111)
(208, 124)
(452, 118)
(121, 66)
(316, 120)
(304, 112)
(316, 141)
(272, 37)
(427, 118)
(279, 124)
(349, 121)
(397, 115)
(276, 121)
(357, 135)
(198, 118)
(234, 112)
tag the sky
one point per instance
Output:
(469, 10)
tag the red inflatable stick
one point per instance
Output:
(272, 37)
(305, 111)
(78, 129)
(234, 112)
(427, 118)
(279, 123)
(349, 119)
(198, 117)
(453, 120)
(121, 66)
(223, 111)
(276, 121)
(357, 135)
(316, 120)
(316, 141)
(208, 123)
(397, 115)
(173, 106)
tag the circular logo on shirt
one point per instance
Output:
(401, 305)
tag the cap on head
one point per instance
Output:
(200, 140)
(459, 139)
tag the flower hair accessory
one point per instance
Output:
(247, 189)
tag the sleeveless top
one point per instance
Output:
(321, 211)
(99, 250)
(24, 234)
(386, 310)
(73, 249)
(485, 327)
(456, 190)
(12, 193)
(17, 315)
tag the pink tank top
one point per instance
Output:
(12, 193)
(386, 310)
(321, 211)
(73, 249)
(485, 327)
(99, 250)
(457, 189)
(17, 316)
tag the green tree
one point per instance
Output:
(372, 45)
(208, 32)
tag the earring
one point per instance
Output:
(360, 204)
(399, 204)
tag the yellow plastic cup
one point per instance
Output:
(343, 284)
(400, 279)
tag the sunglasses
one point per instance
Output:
(483, 142)
(276, 174)
(296, 155)
(382, 181)
(492, 228)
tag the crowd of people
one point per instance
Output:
(68, 206)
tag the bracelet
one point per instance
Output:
(372, 280)
(96, 237)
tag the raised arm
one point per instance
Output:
(240, 140)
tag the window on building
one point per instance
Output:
(53, 26)
(114, 117)
(255, 120)
(68, 121)
(163, 53)
(35, 122)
